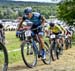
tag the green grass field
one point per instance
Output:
(13, 43)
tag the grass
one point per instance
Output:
(13, 43)
(73, 37)
(15, 57)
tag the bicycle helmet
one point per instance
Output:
(51, 24)
(28, 10)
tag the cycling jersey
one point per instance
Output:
(36, 19)
(55, 29)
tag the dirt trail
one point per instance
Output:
(65, 63)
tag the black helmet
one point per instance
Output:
(51, 24)
(28, 10)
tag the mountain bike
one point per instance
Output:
(30, 49)
(68, 42)
(54, 49)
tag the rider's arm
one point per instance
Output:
(47, 29)
(19, 26)
(59, 28)
(64, 30)
(43, 20)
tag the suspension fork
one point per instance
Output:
(34, 46)
(53, 43)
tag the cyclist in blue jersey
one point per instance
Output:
(37, 19)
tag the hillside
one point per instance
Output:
(21, 3)
(13, 9)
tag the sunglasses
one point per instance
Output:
(27, 14)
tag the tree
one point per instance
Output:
(66, 11)
(12, 9)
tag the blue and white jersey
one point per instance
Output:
(36, 19)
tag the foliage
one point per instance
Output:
(11, 9)
(66, 11)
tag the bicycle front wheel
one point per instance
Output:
(48, 55)
(53, 51)
(3, 58)
(28, 54)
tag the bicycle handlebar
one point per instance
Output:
(29, 28)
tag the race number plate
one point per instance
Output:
(27, 33)
(52, 36)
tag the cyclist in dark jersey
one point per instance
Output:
(37, 19)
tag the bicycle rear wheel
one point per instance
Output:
(28, 54)
(48, 55)
(66, 43)
(3, 58)
(70, 43)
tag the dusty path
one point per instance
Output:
(65, 63)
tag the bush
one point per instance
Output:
(73, 37)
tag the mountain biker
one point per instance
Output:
(63, 34)
(55, 29)
(37, 19)
(69, 31)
